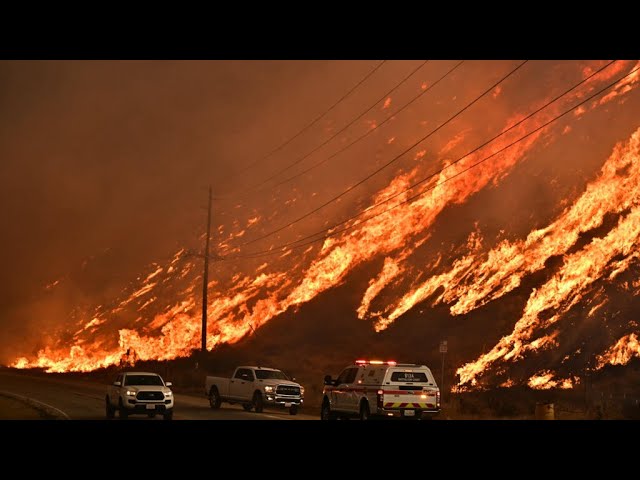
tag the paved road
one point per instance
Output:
(81, 400)
(13, 409)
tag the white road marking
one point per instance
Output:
(37, 404)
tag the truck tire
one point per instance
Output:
(247, 407)
(258, 404)
(122, 411)
(325, 411)
(110, 410)
(293, 409)
(364, 410)
(214, 398)
(168, 415)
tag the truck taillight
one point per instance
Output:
(437, 398)
(380, 398)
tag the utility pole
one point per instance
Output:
(205, 278)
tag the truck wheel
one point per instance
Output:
(293, 410)
(364, 411)
(122, 411)
(168, 415)
(214, 398)
(258, 405)
(325, 412)
(247, 407)
(110, 410)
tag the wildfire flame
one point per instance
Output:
(621, 353)
(545, 380)
(617, 189)
(242, 303)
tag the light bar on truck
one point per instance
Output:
(376, 362)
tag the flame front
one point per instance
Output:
(619, 181)
(545, 380)
(463, 278)
(621, 353)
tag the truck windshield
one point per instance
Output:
(270, 374)
(143, 380)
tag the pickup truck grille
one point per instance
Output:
(287, 390)
(150, 396)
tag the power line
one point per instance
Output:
(394, 159)
(310, 124)
(371, 130)
(410, 187)
(330, 232)
(352, 122)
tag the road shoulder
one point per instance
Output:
(19, 407)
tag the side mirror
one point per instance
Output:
(328, 380)
(168, 384)
(117, 384)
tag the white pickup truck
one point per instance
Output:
(139, 393)
(255, 387)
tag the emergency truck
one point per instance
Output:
(378, 388)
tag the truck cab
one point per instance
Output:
(254, 388)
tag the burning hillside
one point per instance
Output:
(447, 242)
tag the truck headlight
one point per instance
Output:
(268, 389)
(131, 393)
(168, 394)
(301, 391)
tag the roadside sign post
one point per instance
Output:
(443, 351)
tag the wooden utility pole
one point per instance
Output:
(205, 277)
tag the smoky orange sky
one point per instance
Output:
(105, 167)
(101, 155)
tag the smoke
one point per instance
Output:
(176, 126)
(103, 155)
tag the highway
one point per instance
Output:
(81, 400)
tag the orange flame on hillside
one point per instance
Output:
(617, 189)
(505, 266)
(621, 353)
(246, 302)
(545, 380)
